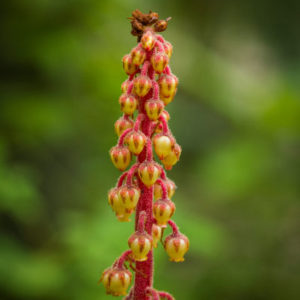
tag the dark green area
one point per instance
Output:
(236, 116)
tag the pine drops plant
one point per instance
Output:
(145, 187)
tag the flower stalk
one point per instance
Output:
(149, 88)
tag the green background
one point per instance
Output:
(236, 116)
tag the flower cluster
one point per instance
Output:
(149, 88)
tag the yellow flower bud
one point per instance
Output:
(142, 85)
(116, 281)
(138, 55)
(129, 196)
(120, 157)
(135, 141)
(170, 160)
(140, 244)
(159, 61)
(168, 49)
(148, 40)
(128, 65)
(149, 172)
(128, 104)
(163, 210)
(176, 245)
(163, 145)
(154, 108)
(156, 234)
(122, 124)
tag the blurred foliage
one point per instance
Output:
(236, 115)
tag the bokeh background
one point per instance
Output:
(236, 116)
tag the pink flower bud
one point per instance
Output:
(136, 141)
(140, 243)
(159, 61)
(128, 65)
(154, 109)
(176, 245)
(128, 104)
(156, 234)
(124, 86)
(138, 55)
(163, 144)
(171, 187)
(142, 85)
(168, 49)
(120, 157)
(116, 281)
(129, 195)
(149, 171)
(170, 160)
(163, 210)
(122, 124)
(148, 40)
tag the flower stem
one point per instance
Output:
(144, 269)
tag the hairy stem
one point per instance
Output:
(144, 269)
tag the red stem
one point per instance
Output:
(141, 222)
(154, 293)
(122, 136)
(164, 124)
(130, 87)
(155, 89)
(123, 258)
(166, 295)
(160, 38)
(131, 173)
(121, 179)
(160, 46)
(167, 70)
(144, 269)
(138, 121)
(163, 175)
(145, 68)
(173, 226)
(149, 154)
(164, 188)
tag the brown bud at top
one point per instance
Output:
(142, 85)
(138, 55)
(154, 109)
(176, 245)
(160, 25)
(136, 141)
(128, 65)
(159, 61)
(128, 103)
(163, 210)
(122, 124)
(148, 40)
(140, 243)
(120, 157)
(116, 281)
(170, 160)
(149, 171)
